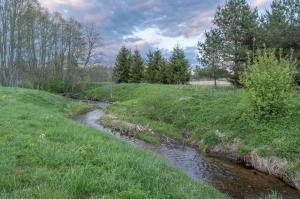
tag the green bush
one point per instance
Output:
(56, 86)
(269, 82)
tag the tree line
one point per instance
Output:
(132, 68)
(239, 31)
(39, 49)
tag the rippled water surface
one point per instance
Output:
(228, 177)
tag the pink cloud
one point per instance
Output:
(53, 5)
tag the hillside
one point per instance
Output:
(216, 120)
(46, 154)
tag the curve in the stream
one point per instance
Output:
(228, 177)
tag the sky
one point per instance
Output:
(145, 24)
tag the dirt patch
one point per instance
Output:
(124, 128)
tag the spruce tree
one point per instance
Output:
(179, 67)
(165, 73)
(155, 63)
(238, 26)
(122, 66)
(136, 73)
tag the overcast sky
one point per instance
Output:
(145, 24)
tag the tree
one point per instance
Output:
(122, 66)
(237, 25)
(93, 40)
(155, 63)
(137, 69)
(179, 67)
(210, 55)
(281, 28)
(165, 73)
(38, 48)
(269, 83)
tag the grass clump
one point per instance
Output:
(44, 154)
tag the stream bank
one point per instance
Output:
(226, 176)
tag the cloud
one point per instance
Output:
(145, 24)
(157, 39)
(53, 5)
(261, 3)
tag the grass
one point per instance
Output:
(203, 113)
(45, 154)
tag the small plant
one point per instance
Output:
(269, 82)
(273, 196)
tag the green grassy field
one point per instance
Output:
(45, 154)
(198, 113)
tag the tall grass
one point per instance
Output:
(44, 154)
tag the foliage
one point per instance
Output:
(39, 47)
(45, 154)
(155, 64)
(137, 69)
(210, 56)
(207, 72)
(122, 66)
(274, 196)
(281, 28)
(235, 27)
(269, 83)
(179, 67)
(55, 87)
(99, 73)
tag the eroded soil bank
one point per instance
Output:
(227, 176)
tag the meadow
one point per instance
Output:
(46, 154)
(206, 115)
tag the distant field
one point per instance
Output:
(210, 83)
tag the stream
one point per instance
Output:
(228, 177)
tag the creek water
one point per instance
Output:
(226, 176)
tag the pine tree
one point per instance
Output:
(155, 63)
(281, 28)
(122, 67)
(179, 67)
(165, 73)
(210, 55)
(137, 68)
(273, 26)
(237, 24)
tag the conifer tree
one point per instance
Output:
(179, 67)
(122, 67)
(281, 29)
(210, 55)
(137, 69)
(155, 63)
(238, 26)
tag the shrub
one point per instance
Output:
(56, 86)
(269, 83)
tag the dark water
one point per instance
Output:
(228, 177)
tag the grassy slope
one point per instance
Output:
(46, 155)
(171, 110)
